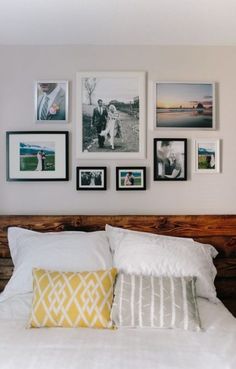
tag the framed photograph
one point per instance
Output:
(37, 156)
(170, 159)
(51, 101)
(91, 178)
(130, 178)
(207, 155)
(186, 105)
(111, 115)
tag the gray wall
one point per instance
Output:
(201, 194)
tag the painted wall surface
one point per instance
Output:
(201, 194)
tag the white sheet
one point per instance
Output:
(57, 348)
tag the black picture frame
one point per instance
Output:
(23, 162)
(120, 179)
(89, 186)
(170, 159)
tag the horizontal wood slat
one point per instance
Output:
(226, 287)
(225, 267)
(218, 230)
(230, 304)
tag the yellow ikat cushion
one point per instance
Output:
(67, 299)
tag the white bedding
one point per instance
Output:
(58, 348)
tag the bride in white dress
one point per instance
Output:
(112, 125)
(40, 162)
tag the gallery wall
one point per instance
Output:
(200, 194)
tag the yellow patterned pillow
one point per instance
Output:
(67, 299)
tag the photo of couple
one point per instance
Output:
(91, 178)
(107, 124)
(110, 113)
(36, 156)
(170, 159)
(130, 178)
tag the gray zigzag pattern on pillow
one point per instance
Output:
(155, 302)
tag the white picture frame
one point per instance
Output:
(184, 105)
(127, 92)
(57, 106)
(206, 155)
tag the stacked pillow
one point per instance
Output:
(61, 251)
(72, 276)
(150, 254)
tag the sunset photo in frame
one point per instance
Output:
(185, 105)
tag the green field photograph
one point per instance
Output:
(207, 156)
(36, 156)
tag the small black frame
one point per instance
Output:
(170, 159)
(91, 176)
(128, 178)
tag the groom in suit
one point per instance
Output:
(51, 104)
(99, 121)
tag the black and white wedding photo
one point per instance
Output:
(111, 114)
(170, 159)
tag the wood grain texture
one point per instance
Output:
(218, 230)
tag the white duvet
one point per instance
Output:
(58, 348)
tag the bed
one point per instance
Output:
(213, 347)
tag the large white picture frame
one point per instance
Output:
(111, 115)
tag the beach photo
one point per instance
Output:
(91, 178)
(185, 105)
(130, 178)
(111, 118)
(170, 159)
(51, 101)
(206, 155)
(37, 156)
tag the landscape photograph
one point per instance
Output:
(37, 156)
(185, 105)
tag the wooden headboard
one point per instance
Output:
(218, 230)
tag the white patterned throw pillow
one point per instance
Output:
(155, 302)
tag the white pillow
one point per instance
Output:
(62, 251)
(150, 254)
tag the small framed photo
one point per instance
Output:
(186, 105)
(207, 155)
(51, 101)
(130, 178)
(111, 118)
(170, 159)
(37, 156)
(91, 178)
